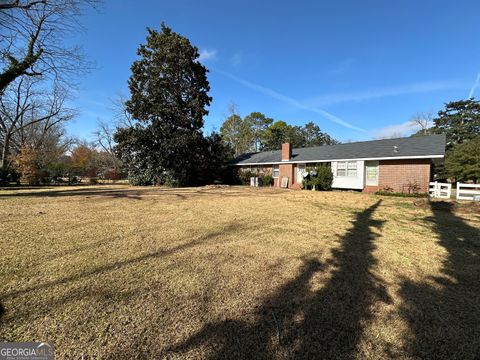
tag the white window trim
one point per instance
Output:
(347, 168)
(273, 171)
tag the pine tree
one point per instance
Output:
(463, 161)
(460, 121)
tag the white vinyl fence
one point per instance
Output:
(468, 191)
(440, 190)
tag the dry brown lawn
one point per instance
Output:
(115, 272)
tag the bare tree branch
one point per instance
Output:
(28, 109)
(423, 120)
(104, 136)
(122, 117)
(32, 40)
(17, 4)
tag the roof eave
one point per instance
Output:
(438, 156)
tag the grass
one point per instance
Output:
(115, 272)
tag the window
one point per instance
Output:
(352, 169)
(275, 171)
(347, 168)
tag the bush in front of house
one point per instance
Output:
(319, 178)
(245, 175)
(265, 180)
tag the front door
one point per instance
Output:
(299, 173)
(371, 173)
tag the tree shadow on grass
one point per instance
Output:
(299, 321)
(77, 192)
(444, 313)
(138, 194)
(202, 240)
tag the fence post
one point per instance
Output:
(458, 190)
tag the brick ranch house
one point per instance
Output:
(366, 165)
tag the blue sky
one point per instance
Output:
(358, 69)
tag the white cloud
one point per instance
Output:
(291, 101)
(396, 130)
(474, 86)
(237, 59)
(206, 54)
(420, 87)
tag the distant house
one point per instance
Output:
(396, 164)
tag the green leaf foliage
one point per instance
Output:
(463, 161)
(459, 121)
(238, 134)
(256, 132)
(168, 86)
(320, 178)
(277, 134)
(314, 136)
(168, 100)
(266, 180)
(258, 123)
(245, 175)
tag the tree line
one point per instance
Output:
(256, 132)
(460, 122)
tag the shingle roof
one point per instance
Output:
(389, 148)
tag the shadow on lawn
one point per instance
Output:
(299, 321)
(202, 240)
(444, 314)
(137, 194)
(78, 192)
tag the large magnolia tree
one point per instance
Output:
(169, 97)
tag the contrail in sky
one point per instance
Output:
(475, 85)
(288, 100)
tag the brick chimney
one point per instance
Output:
(286, 152)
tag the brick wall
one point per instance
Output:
(286, 151)
(398, 173)
(286, 170)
